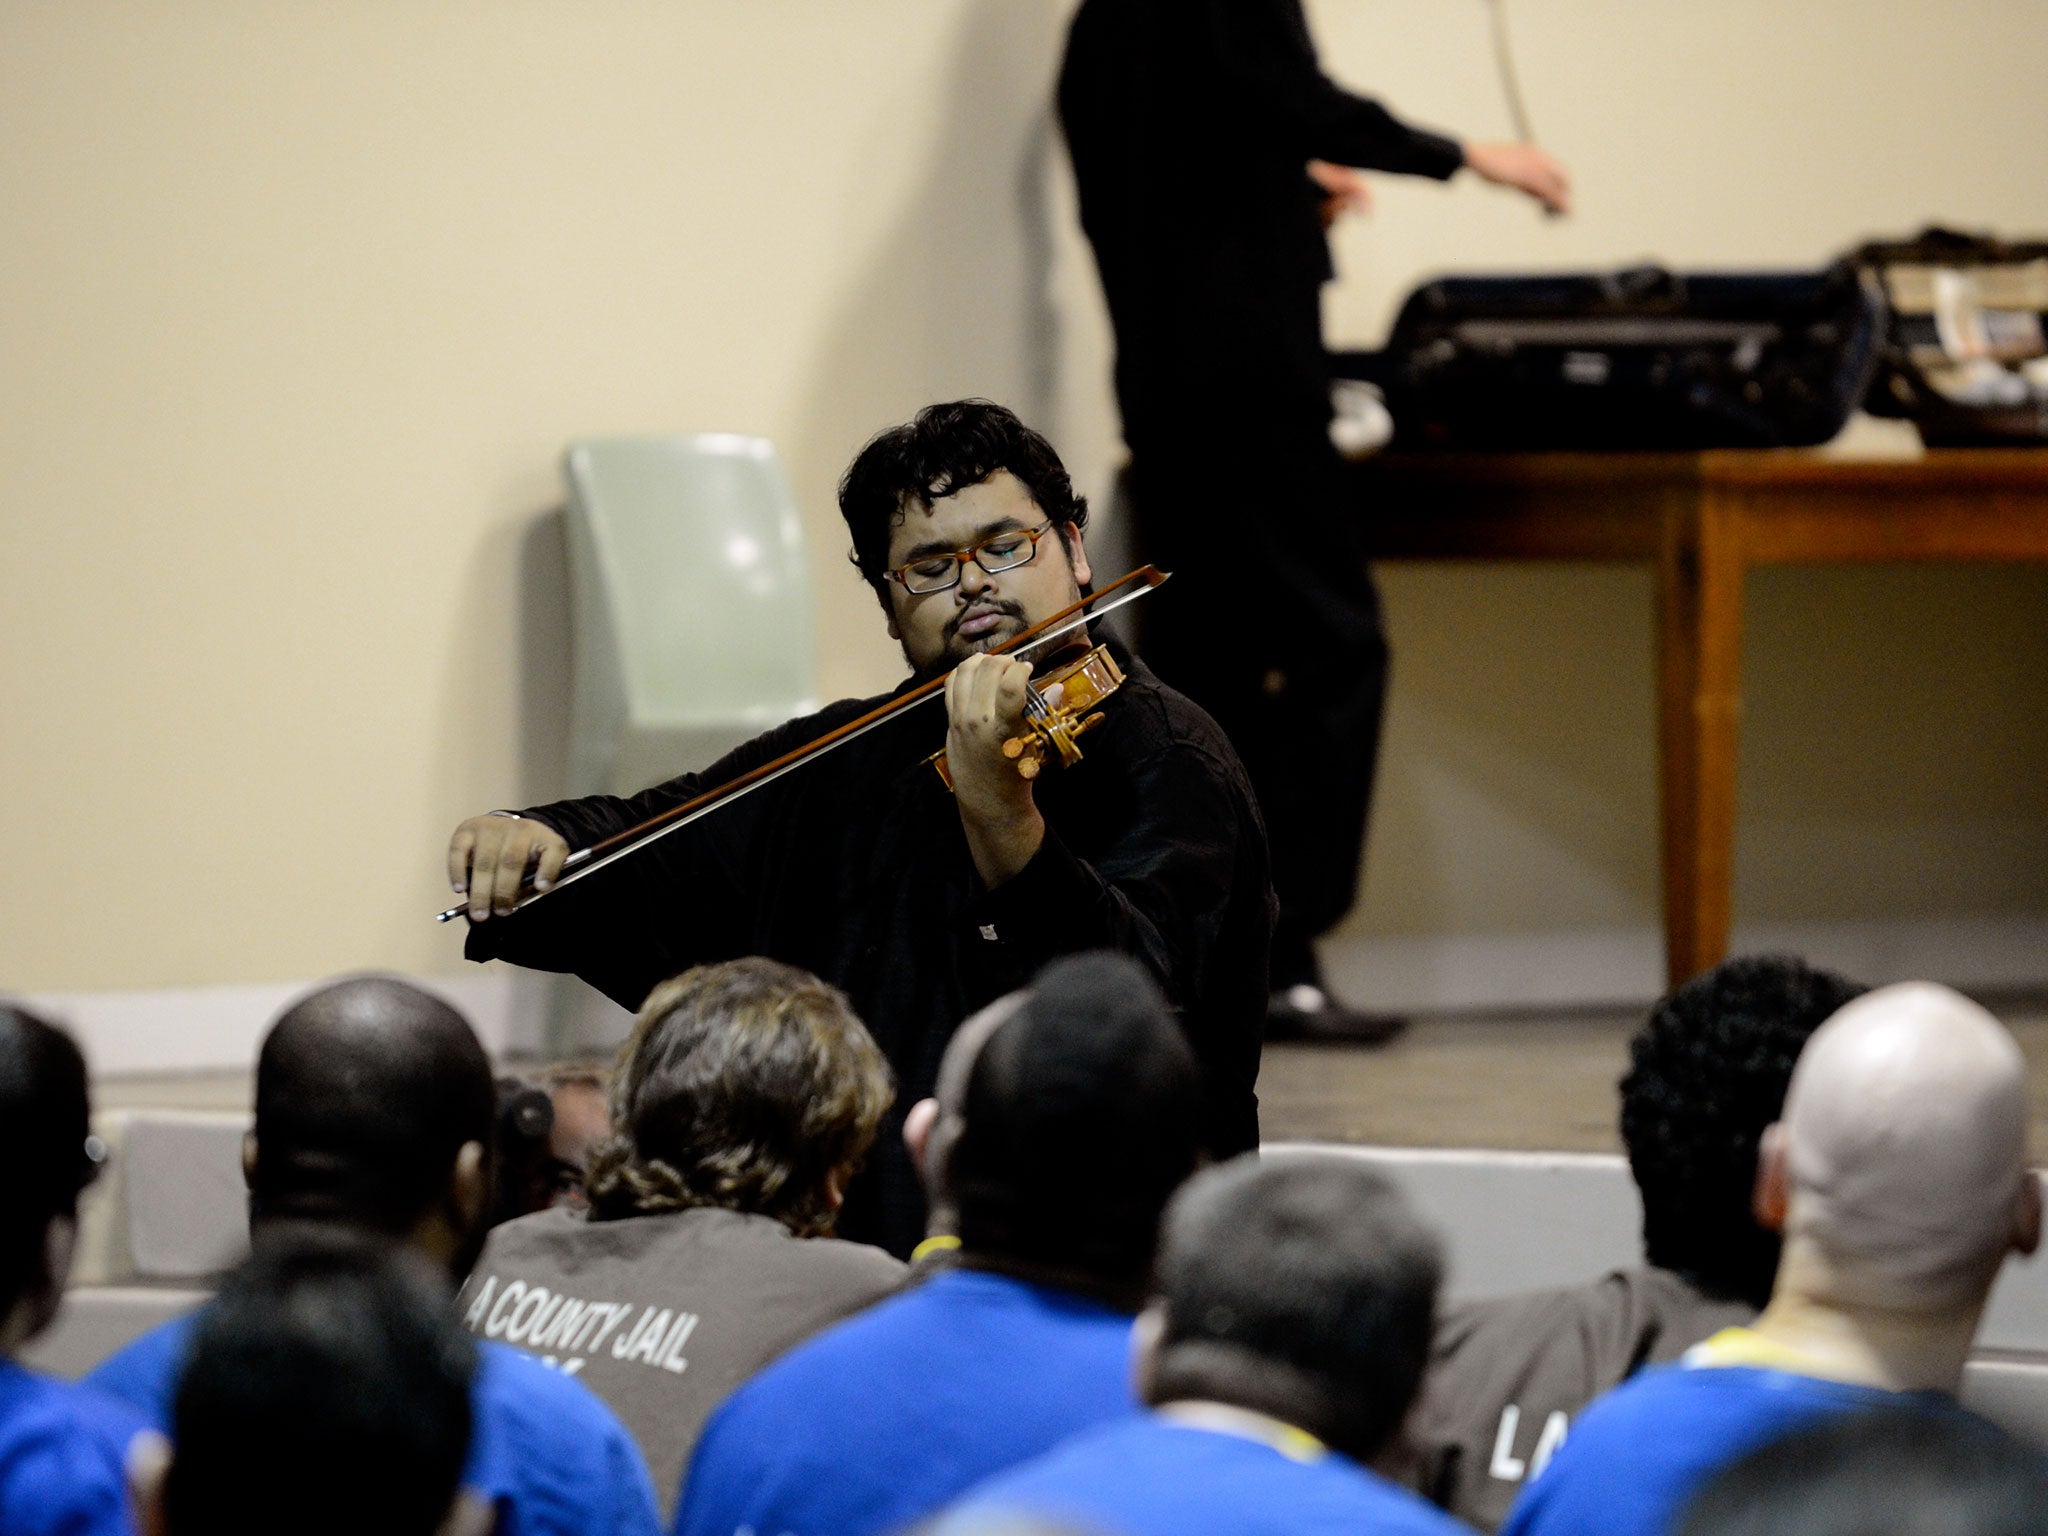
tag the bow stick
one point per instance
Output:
(630, 840)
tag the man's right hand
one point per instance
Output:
(1525, 168)
(489, 858)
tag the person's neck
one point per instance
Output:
(1246, 1423)
(1120, 1295)
(1895, 1349)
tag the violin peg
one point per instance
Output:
(1014, 748)
(1027, 768)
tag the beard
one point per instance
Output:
(956, 648)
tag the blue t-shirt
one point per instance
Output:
(878, 1422)
(63, 1457)
(543, 1451)
(1636, 1456)
(1155, 1477)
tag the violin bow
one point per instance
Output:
(630, 840)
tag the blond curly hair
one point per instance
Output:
(744, 1085)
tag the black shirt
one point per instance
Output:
(1191, 123)
(855, 867)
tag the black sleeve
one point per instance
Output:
(1266, 61)
(680, 901)
(1162, 892)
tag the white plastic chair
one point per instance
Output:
(690, 599)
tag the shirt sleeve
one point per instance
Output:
(678, 902)
(1161, 891)
(1266, 62)
(635, 1512)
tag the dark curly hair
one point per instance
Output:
(946, 448)
(1706, 1075)
(743, 1085)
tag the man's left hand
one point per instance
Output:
(1344, 190)
(985, 707)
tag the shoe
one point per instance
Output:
(1310, 1014)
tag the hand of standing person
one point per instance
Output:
(1525, 168)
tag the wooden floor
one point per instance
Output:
(1534, 1083)
(1537, 1084)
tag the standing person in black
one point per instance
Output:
(1211, 152)
(921, 905)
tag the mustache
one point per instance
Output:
(994, 605)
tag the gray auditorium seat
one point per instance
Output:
(96, 1320)
(1516, 1221)
(173, 1207)
(690, 593)
(2011, 1391)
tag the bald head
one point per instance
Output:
(366, 1091)
(1904, 1143)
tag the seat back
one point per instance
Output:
(691, 604)
(1524, 1221)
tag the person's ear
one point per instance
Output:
(149, 1460)
(1771, 1195)
(1146, 1334)
(249, 1159)
(835, 1189)
(917, 1133)
(2026, 1221)
(1077, 553)
(469, 1186)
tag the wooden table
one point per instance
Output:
(1703, 519)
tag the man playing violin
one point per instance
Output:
(921, 905)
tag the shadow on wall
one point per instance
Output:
(956, 299)
(544, 660)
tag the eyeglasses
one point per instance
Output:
(995, 554)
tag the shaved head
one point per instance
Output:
(365, 1091)
(1905, 1146)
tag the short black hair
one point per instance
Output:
(45, 1126)
(1082, 1115)
(365, 1091)
(944, 449)
(1303, 1287)
(326, 1391)
(1707, 1073)
(1910, 1469)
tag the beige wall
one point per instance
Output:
(298, 305)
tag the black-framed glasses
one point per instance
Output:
(995, 554)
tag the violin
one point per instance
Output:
(1052, 726)
(1057, 712)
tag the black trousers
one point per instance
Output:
(1272, 625)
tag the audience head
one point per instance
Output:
(1899, 1172)
(749, 1085)
(375, 1108)
(524, 1159)
(1707, 1074)
(47, 1146)
(326, 1392)
(1065, 1117)
(944, 450)
(1303, 1288)
(579, 1092)
(1903, 1470)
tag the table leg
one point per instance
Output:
(1699, 643)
